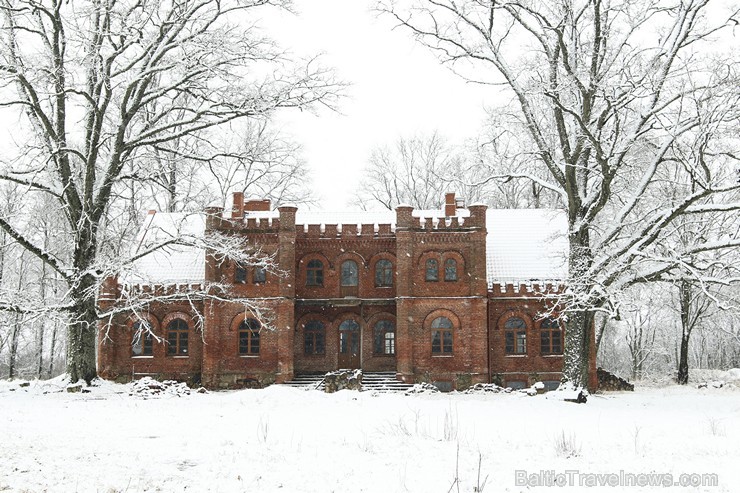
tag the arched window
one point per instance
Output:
(259, 275)
(515, 336)
(432, 270)
(349, 324)
(450, 269)
(384, 334)
(551, 337)
(240, 274)
(442, 336)
(177, 337)
(315, 273)
(141, 344)
(314, 334)
(249, 337)
(349, 273)
(384, 273)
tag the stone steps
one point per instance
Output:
(376, 381)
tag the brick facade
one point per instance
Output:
(448, 328)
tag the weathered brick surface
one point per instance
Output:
(412, 303)
(117, 362)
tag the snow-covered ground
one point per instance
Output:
(292, 440)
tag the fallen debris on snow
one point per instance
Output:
(149, 387)
(422, 388)
(487, 388)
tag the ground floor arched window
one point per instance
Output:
(384, 337)
(249, 337)
(442, 340)
(142, 343)
(314, 337)
(515, 335)
(177, 337)
(551, 337)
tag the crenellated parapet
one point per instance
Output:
(216, 222)
(344, 231)
(525, 289)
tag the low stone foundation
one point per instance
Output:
(343, 379)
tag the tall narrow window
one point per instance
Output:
(177, 338)
(515, 334)
(450, 269)
(551, 337)
(141, 344)
(259, 275)
(315, 273)
(432, 270)
(441, 336)
(383, 273)
(349, 273)
(314, 336)
(384, 334)
(240, 274)
(249, 337)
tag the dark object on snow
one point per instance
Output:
(24, 384)
(73, 389)
(610, 382)
(343, 379)
(578, 398)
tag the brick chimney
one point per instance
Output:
(450, 204)
(237, 210)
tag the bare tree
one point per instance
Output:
(252, 158)
(607, 92)
(408, 173)
(502, 158)
(95, 86)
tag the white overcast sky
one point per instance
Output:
(398, 88)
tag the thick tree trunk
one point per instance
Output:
(81, 333)
(580, 321)
(83, 323)
(577, 347)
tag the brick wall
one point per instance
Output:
(411, 302)
(117, 361)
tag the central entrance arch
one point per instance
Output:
(349, 344)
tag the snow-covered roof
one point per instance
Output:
(172, 264)
(522, 245)
(526, 245)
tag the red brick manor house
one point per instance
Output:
(451, 297)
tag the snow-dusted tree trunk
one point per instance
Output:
(96, 86)
(607, 96)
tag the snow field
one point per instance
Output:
(292, 440)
